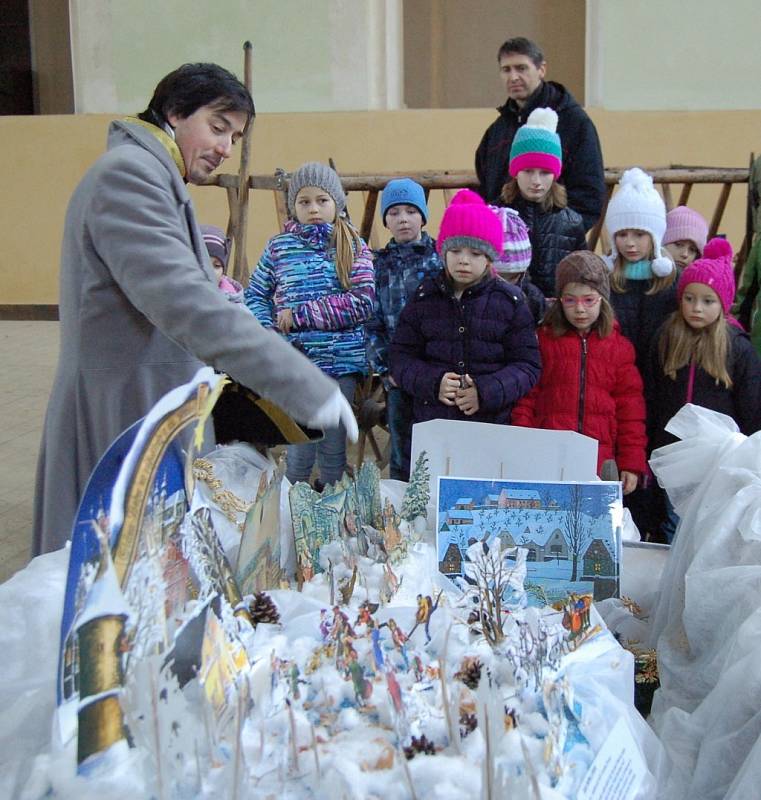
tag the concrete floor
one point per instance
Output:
(28, 353)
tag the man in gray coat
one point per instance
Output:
(140, 311)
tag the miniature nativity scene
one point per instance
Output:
(227, 634)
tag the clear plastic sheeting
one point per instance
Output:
(32, 601)
(707, 621)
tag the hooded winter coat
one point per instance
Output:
(553, 234)
(742, 401)
(582, 175)
(140, 313)
(590, 385)
(488, 334)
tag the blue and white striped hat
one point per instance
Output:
(516, 246)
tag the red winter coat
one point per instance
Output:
(590, 385)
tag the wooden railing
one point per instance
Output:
(665, 178)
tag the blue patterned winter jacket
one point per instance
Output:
(297, 270)
(399, 270)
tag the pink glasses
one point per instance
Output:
(587, 300)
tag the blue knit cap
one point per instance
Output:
(404, 191)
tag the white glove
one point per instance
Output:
(336, 411)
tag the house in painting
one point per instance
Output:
(458, 517)
(519, 498)
(598, 561)
(451, 564)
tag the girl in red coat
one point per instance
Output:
(589, 381)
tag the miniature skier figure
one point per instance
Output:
(377, 650)
(364, 616)
(341, 624)
(395, 691)
(324, 625)
(294, 678)
(425, 609)
(391, 534)
(362, 687)
(399, 639)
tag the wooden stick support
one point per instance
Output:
(240, 266)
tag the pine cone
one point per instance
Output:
(469, 672)
(262, 608)
(468, 723)
(421, 745)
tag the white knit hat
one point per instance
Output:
(637, 204)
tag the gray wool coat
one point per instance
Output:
(140, 312)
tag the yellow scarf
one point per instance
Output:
(166, 140)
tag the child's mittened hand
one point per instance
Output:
(467, 397)
(285, 320)
(450, 384)
(628, 481)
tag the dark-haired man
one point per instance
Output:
(522, 68)
(139, 306)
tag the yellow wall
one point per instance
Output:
(51, 153)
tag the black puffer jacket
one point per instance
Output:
(582, 175)
(742, 402)
(553, 234)
(641, 315)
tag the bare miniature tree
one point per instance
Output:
(576, 529)
(493, 575)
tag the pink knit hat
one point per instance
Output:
(714, 269)
(469, 222)
(684, 223)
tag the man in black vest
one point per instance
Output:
(522, 67)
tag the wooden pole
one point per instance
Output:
(240, 265)
(719, 210)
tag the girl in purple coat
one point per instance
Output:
(465, 346)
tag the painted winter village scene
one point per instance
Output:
(228, 635)
(571, 532)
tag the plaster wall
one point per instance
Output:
(51, 154)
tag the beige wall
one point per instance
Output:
(307, 56)
(50, 154)
(450, 47)
(669, 55)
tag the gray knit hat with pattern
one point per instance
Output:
(313, 173)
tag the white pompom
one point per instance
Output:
(637, 179)
(662, 266)
(543, 118)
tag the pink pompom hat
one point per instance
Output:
(469, 222)
(714, 269)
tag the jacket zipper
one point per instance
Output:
(691, 380)
(582, 381)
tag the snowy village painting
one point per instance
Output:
(571, 531)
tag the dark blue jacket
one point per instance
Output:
(742, 402)
(583, 175)
(553, 234)
(488, 333)
(399, 269)
(640, 315)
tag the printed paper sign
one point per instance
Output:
(618, 769)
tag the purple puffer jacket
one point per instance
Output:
(489, 334)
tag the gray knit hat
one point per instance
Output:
(585, 267)
(313, 173)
